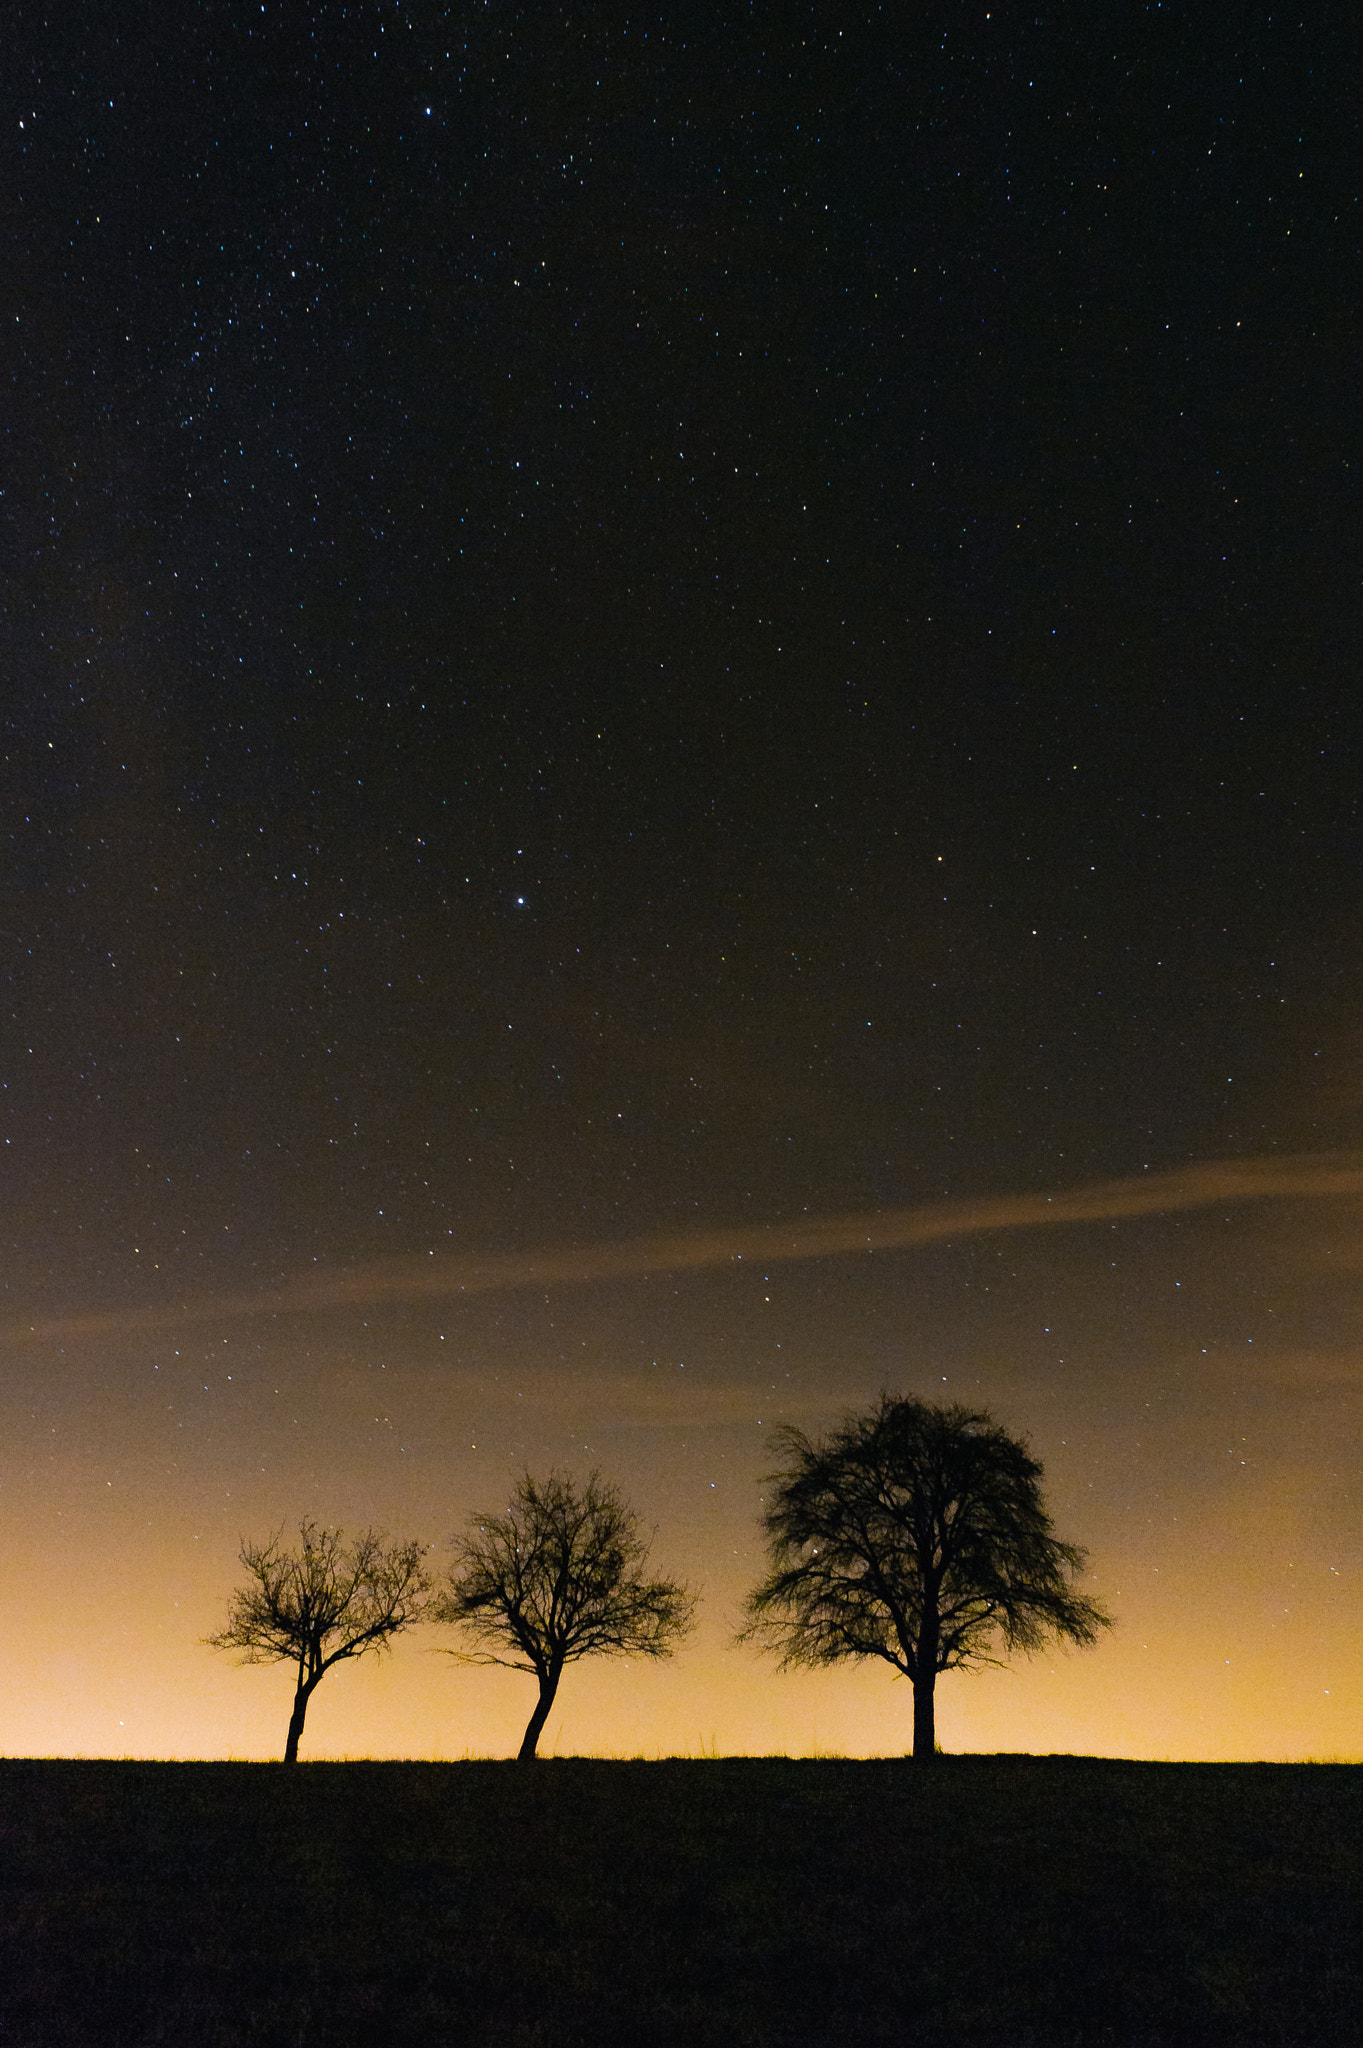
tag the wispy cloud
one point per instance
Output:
(450, 1275)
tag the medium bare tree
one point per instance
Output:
(919, 1535)
(559, 1576)
(315, 1606)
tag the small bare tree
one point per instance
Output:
(327, 1601)
(559, 1576)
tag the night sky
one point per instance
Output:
(661, 672)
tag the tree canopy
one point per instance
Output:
(324, 1602)
(561, 1575)
(916, 1534)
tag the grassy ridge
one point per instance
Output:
(994, 1900)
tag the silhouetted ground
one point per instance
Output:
(998, 1900)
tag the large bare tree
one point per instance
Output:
(561, 1575)
(317, 1605)
(918, 1535)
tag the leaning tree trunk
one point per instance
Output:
(535, 1728)
(924, 1725)
(296, 1719)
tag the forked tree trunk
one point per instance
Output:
(535, 1727)
(924, 1725)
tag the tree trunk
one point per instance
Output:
(535, 1728)
(924, 1726)
(300, 1708)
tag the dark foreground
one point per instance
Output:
(1007, 1900)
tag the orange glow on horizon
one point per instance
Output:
(1174, 1373)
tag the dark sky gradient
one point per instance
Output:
(623, 625)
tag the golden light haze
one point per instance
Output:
(1186, 1367)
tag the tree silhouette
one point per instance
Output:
(919, 1535)
(559, 1576)
(315, 1606)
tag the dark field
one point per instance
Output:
(1017, 1899)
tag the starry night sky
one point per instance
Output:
(626, 626)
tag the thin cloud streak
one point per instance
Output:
(450, 1276)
